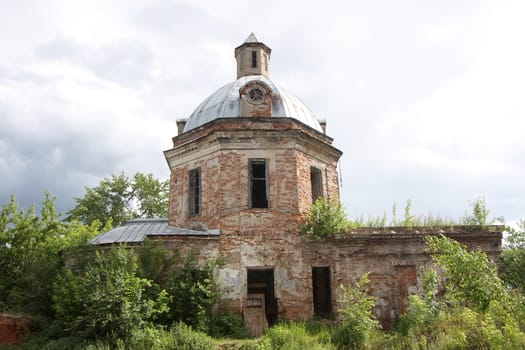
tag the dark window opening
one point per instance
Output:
(322, 292)
(254, 59)
(316, 181)
(195, 192)
(261, 281)
(258, 184)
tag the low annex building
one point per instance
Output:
(245, 169)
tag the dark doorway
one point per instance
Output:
(260, 281)
(322, 291)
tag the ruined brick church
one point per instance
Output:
(245, 169)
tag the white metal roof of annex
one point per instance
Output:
(225, 103)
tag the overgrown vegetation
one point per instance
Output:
(106, 300)
(30, 246)
(512, 261)
(357, 319)
(178, 337)
(144, 297)
(295, 336)
(465, 307)
(119, 198)
(328, 218)
(148, 297)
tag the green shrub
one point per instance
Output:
(42, 342)
(228, 324)
(358, 322)
(423, 309)
(185, 338)
(106, 300)
(292, 336)
(475, 311)
(30, 243)
(471, 278)
(193, 290)
(325, 219)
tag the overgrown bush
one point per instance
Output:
(227, 324)
(30, 243)
(180, 337)
(193, 288)
(358, 321)
(325, 219)
(423, 309)
(185, 338)
(512, 261)
(106, 300)
(474, 311)
(292, 336)
(471, 278)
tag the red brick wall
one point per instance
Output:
(13, 328)
(394, 257)
(222, 150)
(269, 238)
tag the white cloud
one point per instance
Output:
(424, 98)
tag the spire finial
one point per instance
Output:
(251, 39)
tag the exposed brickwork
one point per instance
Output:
(269, 238)
(223, 155)
(262, 108)
(13, 328)
(394, 257)
(246, 124)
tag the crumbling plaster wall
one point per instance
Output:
(395, 259)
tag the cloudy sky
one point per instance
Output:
(425, 98)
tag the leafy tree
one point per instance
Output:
(119, 198)
(29, 254)
(107, 299)
(151, 195)
(471, 278)
(512, 261)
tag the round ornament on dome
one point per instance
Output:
(256, 95)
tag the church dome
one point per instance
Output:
(252, 70)
(225, 103)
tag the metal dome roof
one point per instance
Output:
(225, 103)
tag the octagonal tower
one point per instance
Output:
(251, 155)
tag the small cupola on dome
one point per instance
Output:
(252, 57)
